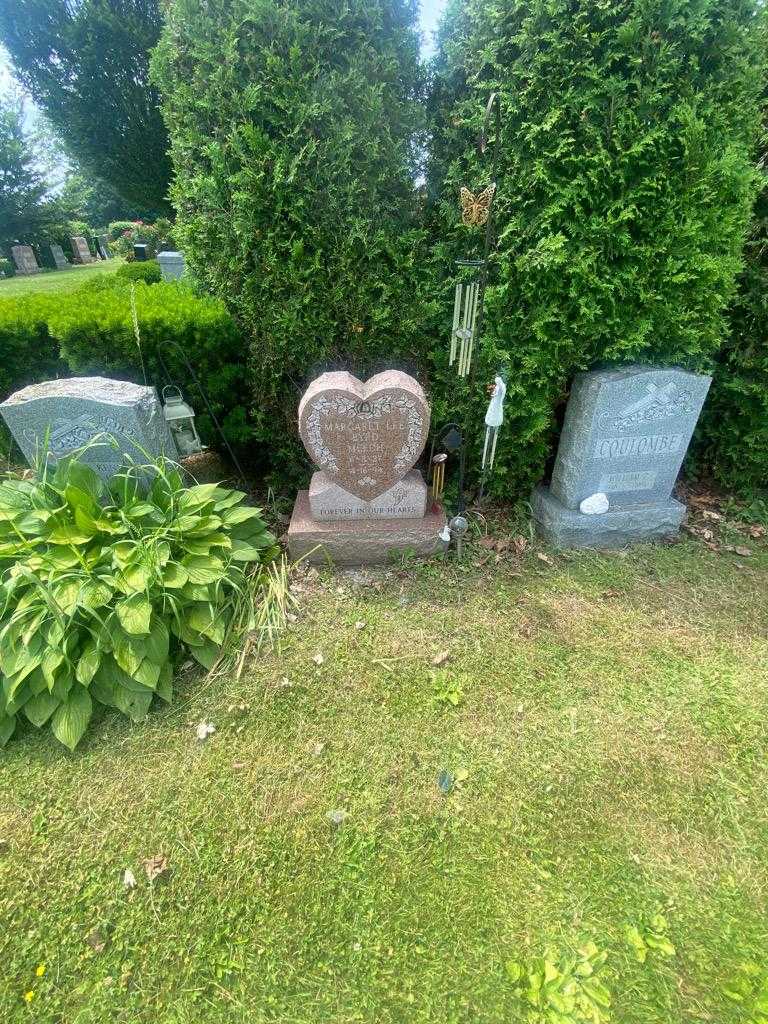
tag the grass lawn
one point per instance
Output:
(609, 752)
(56, 280)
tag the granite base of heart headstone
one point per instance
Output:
(625, 436)
(366, 504)
(104, 423)
(25, 260)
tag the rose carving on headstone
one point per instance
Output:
(365, 436)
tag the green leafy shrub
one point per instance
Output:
(7, 268)
(96, 337)
(294, 130)
(556, 988)
(101, 593)
(119, 227)
(625, 183)
(148, 271)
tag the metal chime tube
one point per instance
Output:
(456, 318)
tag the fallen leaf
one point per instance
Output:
(713, 517)
(316, 749)
(360, 624)
(204, 730)
(157, 868)
(441, 658)
(738, 550)
(239, 765)
(487, 542)
(285, 683)
(544, 557)
(336, 818)
(318, 658)
(129, 879)
(519, 544)
(756, 530)
(291, 617)
(462, 774)
(96, 940)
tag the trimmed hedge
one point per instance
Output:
(89, 332)
(147, 271)
(626, 180)
(293, 129)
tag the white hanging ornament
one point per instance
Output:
(494, 418)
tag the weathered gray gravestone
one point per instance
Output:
(59, 259)
(24, 258)
(366, 502)
(102, 243)
(80, 250)
(118, 419)
(171, 265)
(625, 435)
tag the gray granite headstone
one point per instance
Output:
(102, 244)
(24, 258)
(59, 259)
(80, 250)
(121, 421)
(171, 265)
(625, 434)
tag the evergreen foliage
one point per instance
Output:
(27, 212)
(86, 65)
(295, 139)
(625, 186)
(733, 446)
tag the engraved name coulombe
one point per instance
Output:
(634, 447)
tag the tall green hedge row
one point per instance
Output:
(296, 130)
(626, 180)
(733, 437)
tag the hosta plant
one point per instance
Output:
(104, 589)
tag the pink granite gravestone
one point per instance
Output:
(366, 502)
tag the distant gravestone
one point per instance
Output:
(171, 265)
(63, 416)
(625, 435)
(24, 258)
(141, 252)
(80, 250)
(57, 256)
(102, 244)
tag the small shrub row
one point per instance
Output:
(102, 593)
(147, 271)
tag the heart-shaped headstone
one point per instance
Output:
(366, 437)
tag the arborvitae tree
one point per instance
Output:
(294, 130)
(27, 211)
(86, 65)
(625, 185)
